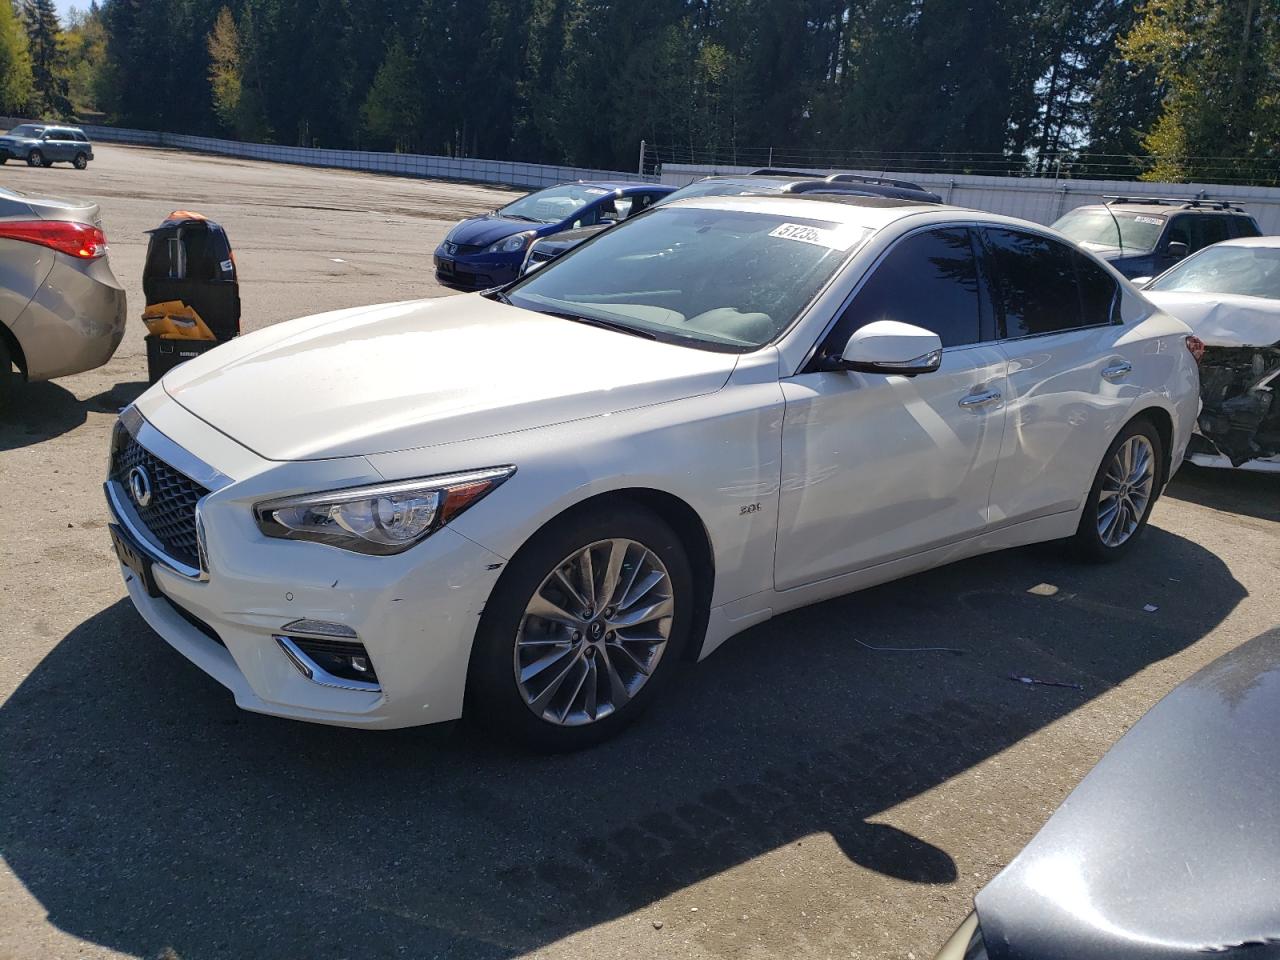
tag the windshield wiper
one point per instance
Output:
(598, 322)
(498, 295)
(520, 216)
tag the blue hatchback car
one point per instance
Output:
(487, 251)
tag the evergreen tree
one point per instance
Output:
(48, 69)
(16, 84)
(1217, 62)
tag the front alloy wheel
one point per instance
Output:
(593, 632)
(583, 629)
(35, 158)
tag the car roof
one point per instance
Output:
(1270, 243)
(1169, 207)
(612, 185)
(867, 211)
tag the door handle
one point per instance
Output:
(1117, 371)
(975, 401)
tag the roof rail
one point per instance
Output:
(883, 181)
(1186, 203)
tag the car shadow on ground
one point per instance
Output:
(1246, 492)
(145, 812)
(36, 412)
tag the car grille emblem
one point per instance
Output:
(140, 487)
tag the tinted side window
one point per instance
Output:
(1099, 292)
(1206, 229)
(929, 280)
(1036, 279)
(1179, 231)
(1244, 227)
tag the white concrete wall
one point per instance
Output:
(401, 164)
(1039, 200)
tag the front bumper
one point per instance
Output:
(415, 613)
(476, 271)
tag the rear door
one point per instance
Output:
(874, 466)
(1071, 377)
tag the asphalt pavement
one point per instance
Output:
(800, 794)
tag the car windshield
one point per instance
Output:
(26, 130)
(1094, 226)
(716, 279)
(1243, 271)
(721, 188)
(554, 204)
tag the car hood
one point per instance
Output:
(1223, 320)
(403, 375)
(22, 141)
(1170, 847)
(482, 231)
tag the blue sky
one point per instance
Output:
(65, 5)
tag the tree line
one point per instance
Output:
(1166, 89)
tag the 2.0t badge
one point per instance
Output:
(140, 487)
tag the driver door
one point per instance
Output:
(876, 467)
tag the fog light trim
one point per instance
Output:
(317, 674)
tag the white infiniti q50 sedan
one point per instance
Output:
(529, 504)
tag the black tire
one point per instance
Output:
(35, 158)
(9, 377)
(81, 161)
(1088, 543)
(4, 158)
(493, 696)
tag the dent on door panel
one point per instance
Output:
(879, 467)
(1062, 414)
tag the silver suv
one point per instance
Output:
(43, 145)
(62, 310)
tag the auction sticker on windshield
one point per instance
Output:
(1156, 220)
(840, 238)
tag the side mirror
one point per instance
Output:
(1178, 250)
(888, 346)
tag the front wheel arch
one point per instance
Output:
(688, 526)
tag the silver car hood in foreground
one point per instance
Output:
(1222, 319)
(1171, 846)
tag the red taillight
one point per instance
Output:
(79, 240)
(1196, 346)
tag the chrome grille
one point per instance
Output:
(170, 517)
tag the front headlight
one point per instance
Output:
(512, 244)
(383, 519)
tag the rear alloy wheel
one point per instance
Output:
(81, 161)
(35, 158)
(1124, 491)
(582, 630)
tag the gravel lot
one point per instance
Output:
(797, 795)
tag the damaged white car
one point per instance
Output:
(1229, 294)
